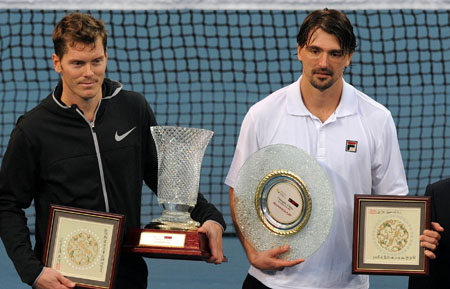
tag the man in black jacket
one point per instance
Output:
(87, 145)
(439, 277)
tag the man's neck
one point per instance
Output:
(322, 104)
(87, 106)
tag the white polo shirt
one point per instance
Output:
(358, 149)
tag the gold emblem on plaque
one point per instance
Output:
(392, 235)
(283, 202)
(82, 248)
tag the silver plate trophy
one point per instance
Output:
(174, 234)
(282, 196)
(180, 153)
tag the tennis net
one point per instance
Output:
(205, 68)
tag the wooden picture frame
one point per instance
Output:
(386, 235)
(83, 245)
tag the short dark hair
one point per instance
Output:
(331, 21)
(77, 27)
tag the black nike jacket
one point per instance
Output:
(56, 156)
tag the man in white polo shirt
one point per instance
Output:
(352, 137)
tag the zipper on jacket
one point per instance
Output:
(97, 152)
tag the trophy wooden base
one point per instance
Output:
(168, 244)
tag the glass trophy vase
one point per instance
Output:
(180, 152)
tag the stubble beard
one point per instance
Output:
(319, 85)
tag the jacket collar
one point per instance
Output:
(110, 88)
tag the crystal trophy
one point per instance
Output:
(180, 153)
(283, 196)
(174, 234)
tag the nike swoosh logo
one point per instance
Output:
(121, 137)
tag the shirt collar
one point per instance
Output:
(348, 104)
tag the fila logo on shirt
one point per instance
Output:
(351, 146)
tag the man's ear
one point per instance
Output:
(299, 49)
(56, 63)
(349, 59)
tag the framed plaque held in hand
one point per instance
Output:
(83, 245)
(386, 235)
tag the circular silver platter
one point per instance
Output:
(287, 158)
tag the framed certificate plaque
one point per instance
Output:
(386, 235)
(83, 245)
